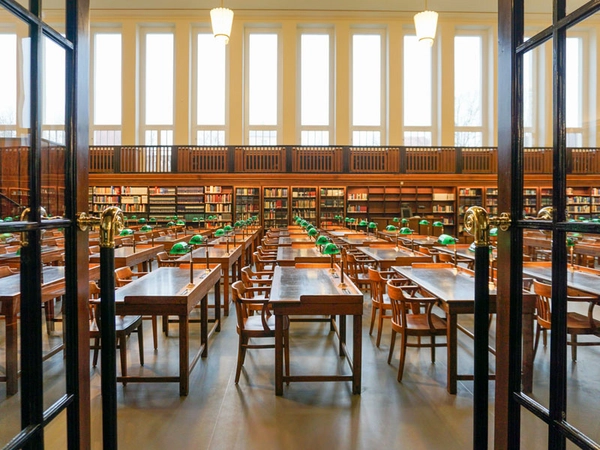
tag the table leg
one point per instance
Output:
(451, 336)
(226, 289)
(218, 304)
(342, 336)
(527, 378)
(356, 353)
(278, 354)
(204, 325)
(184, 369)
(12, 380)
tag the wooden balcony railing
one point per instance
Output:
(328, 159)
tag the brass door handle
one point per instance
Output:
(111, 222)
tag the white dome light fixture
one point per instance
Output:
(221, 20)
(425, 25)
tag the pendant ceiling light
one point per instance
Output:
(426, 24)
(221, 20)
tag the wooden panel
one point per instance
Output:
(260, 159)
(480, 160)
(202, 159)
(102, 159)
(537, 160)
(430, 160)
(374, 159)
(585, 160)
(317, 159)
(146, 158)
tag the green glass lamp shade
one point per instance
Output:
(423, 222)
(396, 220)
(372, 225)
(404, 221)
(494, 232)
(570, 242)
(152, 219)
(581, 218)
(5, 236)
(405, 230)
(352, 220)
(238, 224)
(180, 222)
(195, 219)
(133, 217)
(309, 227)
(220, 232)
(197, 239)
(146, 228)
(170, 224)
(363, 223)
(312, 232)
(8, 219)
(141, 220)
(347, 219)
(322, 240)
(180, 248)
(438, 224)
(331, 249)
(298, 220)
(227, 228)
(126, 232)
(472, 247)
(1, 220)
(595, 220)
(446, 239)
(391, 228)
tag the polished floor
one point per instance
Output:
(218, 414)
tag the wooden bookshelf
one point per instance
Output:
(275, 207)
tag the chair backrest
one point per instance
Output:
(6, 271)
(259, 262)
(445, 258)
(312, 265)
(123, 275)
(543, 294)
(432, 265)
(378, 285)
(245, 303)
(400, 304)
(353, 266)
(94, 249)
(164, 260)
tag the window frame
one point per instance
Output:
(278, 127)
(382, 128)
(300, 128)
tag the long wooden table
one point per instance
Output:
(354, 242)
(316, 292)
(167, 242)
(387, 257)
(230, 264)
(455, 288)
(126, 256)
(10, 295)
(166, 291)
(578, 278)
(289, 256)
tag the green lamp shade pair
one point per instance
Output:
(446, 239)
(197, 239)
(331, 249)
(322, 240)
(180, 248)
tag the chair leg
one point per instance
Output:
(49, 312)
(240, 359)
(286, 355)
(140, 333)
(155, 331)
(96, 351)
(574, 347)
(537, 339)
(433, 349)
(165, 325)
(402, 356)
(392, 345)
(373, 314)
(380, 327)
(122, 339)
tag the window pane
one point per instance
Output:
(366, 138)
(262, 79)
(211, 81)
(468, 91)
(8, 80)
(573, 84)
(314, 79)
(263, 137)
(417, 83)
(314, 138)
(468, 139)
(417, 138)
(54, 84)
(107, 79)
(210, 137)
(366, 80)
(159, 79)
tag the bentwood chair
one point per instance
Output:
(380, 302)
(255, 326)
(409, 319)
(577, 324)
(358, 270)
(124, 326)
(123, 276)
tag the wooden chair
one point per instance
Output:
(429, 251)
(255, 326)
(408, 319)
(261, 264)
(6, 271)
(577, 324)
(124, 326)
(123, 276)
(358, 270)
(164, 260)
(94, 249)
(447, 258)
(380, 302)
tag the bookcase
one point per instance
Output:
(218, 201)
(545, 197)
(357, 200)
(467, 197)
(595, 203)
(491, 200)
(104, 196)
(247, 202)
(530, 202)
(579, 202)
(275, 207)
(443, 201)
(162, 203)
(304, 203)
(134, 200)
(331, 204)
(190, 203)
